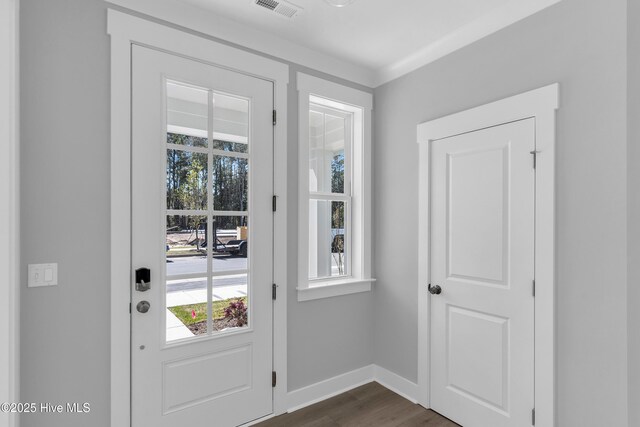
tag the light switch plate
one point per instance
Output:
(43, 275)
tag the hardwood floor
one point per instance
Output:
(368, 405)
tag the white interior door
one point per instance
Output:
(482, 258)
(202, 172)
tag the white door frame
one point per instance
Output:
(10, 208)
(541, 105)
(126, 30)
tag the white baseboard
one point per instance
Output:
(396, 383)
(323, 390)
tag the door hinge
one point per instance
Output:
(129, 308)
(534, 287)
(274, 203)
(533, 416)
(275, 117)
(274, 291)
(273, 378)
(534, 153)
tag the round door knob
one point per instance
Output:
(143, 306)
(434, 290)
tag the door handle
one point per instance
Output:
(143, 279)
(143, 307)
(434, 290)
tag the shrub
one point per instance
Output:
(237, 310)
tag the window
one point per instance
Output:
(335, 189)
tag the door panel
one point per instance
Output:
(477, 182)
(482, 247)
(202, 167)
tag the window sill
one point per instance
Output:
(334, 288)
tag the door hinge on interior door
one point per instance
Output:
(275, 117)
(274, 291)
(533, 416)
(273, 378)
(274, 203)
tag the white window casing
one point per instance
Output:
(357, 192)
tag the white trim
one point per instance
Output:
(334, 288)
(322, 390)
(542, 105)
(124, 31)
(360, 103)
(328, 388)
(258, 421)
(509, 13)
(212, 24)
(342, 95)
(10, 208)
(396, 383)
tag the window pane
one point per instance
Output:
(327, 254)
(186, 180)
(186, 245)
(230, 305)
(231, 248)
(316, 147)
(230, 183)
(334, 144)
(327, 140)
(230, 123)
(187, 115)
(186, 308)
(231, 251)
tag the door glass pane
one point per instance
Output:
(237, 147)
(187, 114)
(327, 141)
(230, 305)
(230, 183)
(231, 249)
(327, 254)
(206, 254)
(186, 245)
(186, 180)
(186, 308)
(230, 123)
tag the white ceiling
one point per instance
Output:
(369, 42)
(370, 33)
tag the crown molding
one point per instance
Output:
(490, 23)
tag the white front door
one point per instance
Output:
(202, 186)
(482, 260)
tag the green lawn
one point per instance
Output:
(184, 312)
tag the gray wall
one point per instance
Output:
(633, 192)
(65, 219)
(64, 330)
(582, 45)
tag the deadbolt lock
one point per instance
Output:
(143, 279)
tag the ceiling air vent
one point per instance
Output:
(280, 7)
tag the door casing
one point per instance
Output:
(125, 31)
(540, 104)
(10, 210)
